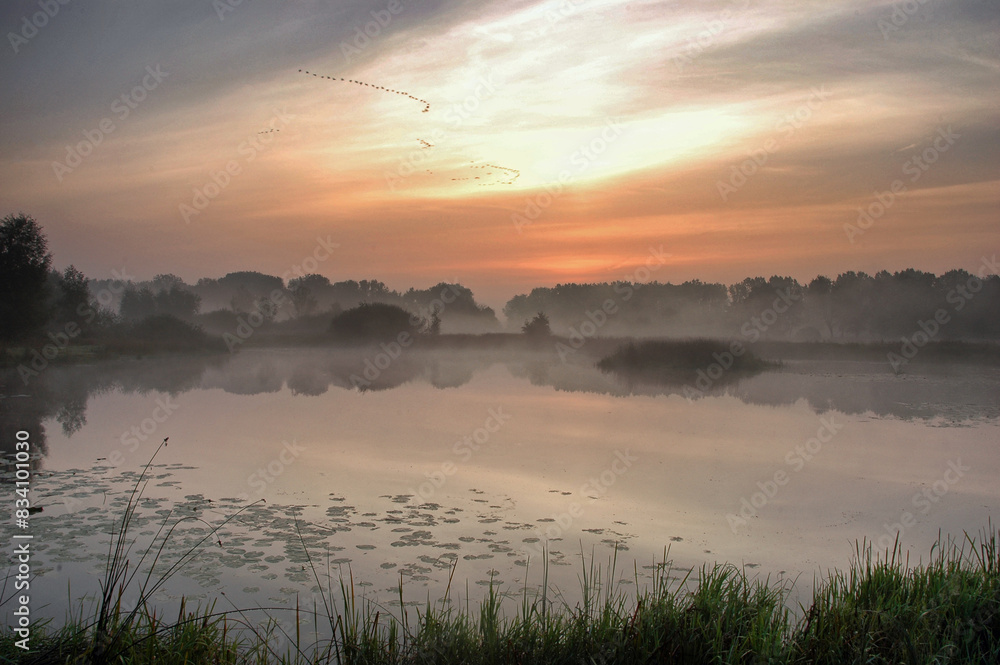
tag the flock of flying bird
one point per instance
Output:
(511, 174)
(427, 104)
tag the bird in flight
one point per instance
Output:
(509, 174)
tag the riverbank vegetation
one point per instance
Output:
(882, 610)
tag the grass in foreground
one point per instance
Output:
(881, 610)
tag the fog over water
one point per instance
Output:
(482, 456)
(430, 301)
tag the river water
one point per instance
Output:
(489, 462)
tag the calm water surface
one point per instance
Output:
(478, 459)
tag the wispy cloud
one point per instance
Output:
(695, 89)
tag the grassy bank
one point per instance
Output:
(155, 335)
(881, 610)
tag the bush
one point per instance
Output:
(538, 327)
(372, 322)
(162, 332)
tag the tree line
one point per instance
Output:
(853, 306)
(38, 303)
(37, 300)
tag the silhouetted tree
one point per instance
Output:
(312, 280)
(434, 325)
(242, 301)
(307, 291)
(24, 269)
(538, 327)
(71, 295)
(852, 303)
(256, 282)
(455, 306)
(137, 304)
(743, 292)
(372, 290)
(167, 281)
(302, 300)
(237, 291)
(818, 306)
(267, 308)
(177, 301)
(140, 303)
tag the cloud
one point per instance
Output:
(697, 88)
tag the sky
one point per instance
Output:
(504, 145)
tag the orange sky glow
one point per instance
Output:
(563, 141)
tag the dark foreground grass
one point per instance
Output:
(881, 610)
